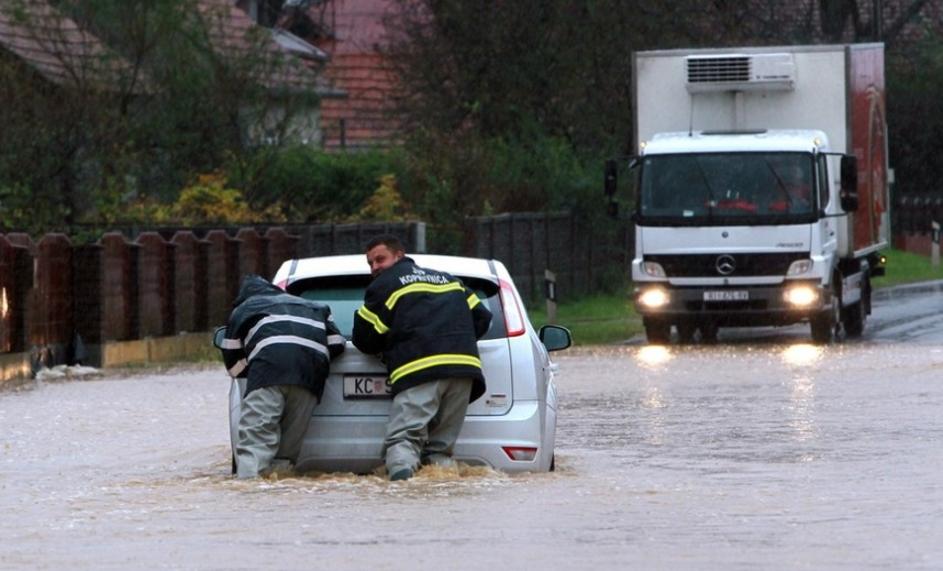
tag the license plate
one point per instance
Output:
(366, 386)
(727, 295)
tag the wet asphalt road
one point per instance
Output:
(759, 452)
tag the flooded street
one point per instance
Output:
(759, 452)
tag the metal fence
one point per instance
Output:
(912, 216)
(586, 254)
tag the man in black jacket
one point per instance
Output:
(283, 344)
(425, 324)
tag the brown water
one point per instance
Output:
(738, 456)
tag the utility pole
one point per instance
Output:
(877, 19)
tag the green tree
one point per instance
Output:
(158, 91)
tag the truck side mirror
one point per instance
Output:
(849, 183)
(611, 177)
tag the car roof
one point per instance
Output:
(356, 264)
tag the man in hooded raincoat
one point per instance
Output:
(283, 345)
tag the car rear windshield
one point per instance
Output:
(344, 294)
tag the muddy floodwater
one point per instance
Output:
(744, 455)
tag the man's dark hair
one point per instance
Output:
(388, 240)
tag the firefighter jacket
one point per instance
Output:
(274, 338)
(425, 324)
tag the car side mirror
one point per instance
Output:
(554, 337)
(849, 183)
(218, 336)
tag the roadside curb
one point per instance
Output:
(182, 347)
(892, 292)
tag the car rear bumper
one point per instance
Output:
(355, 443)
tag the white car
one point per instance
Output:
(512, 427)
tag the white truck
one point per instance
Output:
(762, 188)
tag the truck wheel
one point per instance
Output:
(686, 331)
(854, 319)
(709, 332)
(657, 330)
(826, 324)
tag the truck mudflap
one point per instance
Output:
(785, 303)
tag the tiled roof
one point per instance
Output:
(65, 54)
(57, 48)
(366, 115)
(358, 25)
(364, 118)
(233, 34)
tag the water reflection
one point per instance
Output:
(802, 409)
(802, 355)
(654, 356)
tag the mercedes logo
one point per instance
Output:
(725, 265)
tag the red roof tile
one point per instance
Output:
(57, 48)
(357, 67)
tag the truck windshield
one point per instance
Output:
(727, 188)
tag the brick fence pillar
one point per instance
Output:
(155, 284)
(222, 264)
(16, 278)
(51, 326)
(253, 253)
(281, 247)
(190, 282)
(118, 283)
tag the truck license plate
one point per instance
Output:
(727, 295)
(366, 386)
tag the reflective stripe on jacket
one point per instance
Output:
(425, 323)
(274, 338)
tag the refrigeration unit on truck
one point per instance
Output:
(762, 188)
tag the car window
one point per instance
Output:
(344, 294)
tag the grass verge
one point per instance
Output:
(906, 267)
(595, 320)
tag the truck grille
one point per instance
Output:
(705, 265)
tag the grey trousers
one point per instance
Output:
(272, 427)
(424, 424)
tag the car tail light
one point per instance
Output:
(513, 315)
(282, 285)
(520, 453)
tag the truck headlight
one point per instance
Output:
(653, 269)
(799, 267)
(654, 298)
(801, 295)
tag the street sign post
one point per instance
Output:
(550, 285)
(935, 243)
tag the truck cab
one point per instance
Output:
(739, 228)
